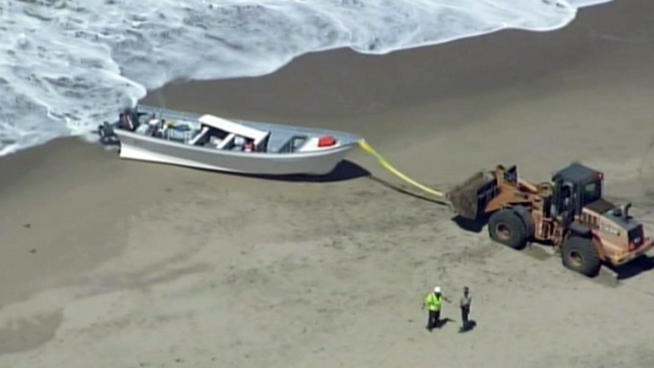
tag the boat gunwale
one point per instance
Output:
(347, 139)
(255, 154)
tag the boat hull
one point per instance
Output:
(143, 148)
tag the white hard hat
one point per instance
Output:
(437, 289)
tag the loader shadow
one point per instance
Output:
(475, 226)
(637, 266)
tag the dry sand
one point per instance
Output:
(111, 263)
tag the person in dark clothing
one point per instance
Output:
(466, 300)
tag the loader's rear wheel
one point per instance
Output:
(506, 227)
(579, 254)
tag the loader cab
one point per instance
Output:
(574, 187)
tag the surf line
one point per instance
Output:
(386, 165)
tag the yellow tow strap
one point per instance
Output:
(368, 148)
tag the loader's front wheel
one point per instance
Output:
(579, 254)
(506, 227)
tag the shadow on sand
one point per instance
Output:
(443, 321)
(469, 327)
(641, 264)
(475, 226)
(637, 266)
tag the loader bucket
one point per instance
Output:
(469, 198)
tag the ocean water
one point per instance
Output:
(68, 65)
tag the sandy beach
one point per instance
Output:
(114, 263)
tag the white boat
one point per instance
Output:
(210, 142)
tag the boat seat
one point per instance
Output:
(277, 141)
(215, 142)
(179, 135)
(283, 142)
(234, 129)
(142, 129)
(199, 136)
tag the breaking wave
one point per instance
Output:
(67, 65)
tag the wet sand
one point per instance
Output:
(112, 263)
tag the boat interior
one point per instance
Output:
(213, 132)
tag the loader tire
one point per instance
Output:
(506, 227)
(525, 216)
(579, 254)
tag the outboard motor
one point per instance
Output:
(106, 133)
(129, 119)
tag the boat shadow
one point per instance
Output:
(345, 170)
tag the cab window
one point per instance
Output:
(591, 192)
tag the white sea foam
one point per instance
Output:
(67, 65)
(583, 3)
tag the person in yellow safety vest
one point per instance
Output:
(433, 301)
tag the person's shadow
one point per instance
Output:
(443, 321)
(468, 327)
